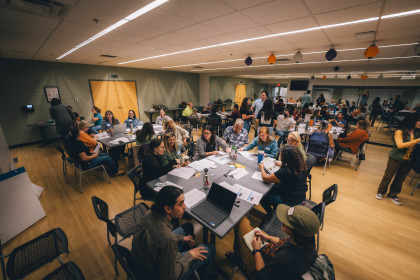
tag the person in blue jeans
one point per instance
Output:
(159, 252)
(89, 160)
(97, 119)
(289, 181)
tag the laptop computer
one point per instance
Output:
(119, 128)
(217, 206)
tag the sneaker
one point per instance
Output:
(379, 196)
(395, 200)
(119, 173)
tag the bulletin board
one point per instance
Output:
(51, 92)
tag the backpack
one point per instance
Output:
(318, 144)
(415, 158)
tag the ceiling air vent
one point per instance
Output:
(45, 8)
(282, 59)
(108, 55)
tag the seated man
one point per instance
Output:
(207, 109)
(236, 135)
(286, 258)
(234, 115)
(81, 153)
(162, 253)
(339, 121)
(194, 117)
(285, 124)
(187, 111)
(357, 114)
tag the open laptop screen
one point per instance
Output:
(221, 197)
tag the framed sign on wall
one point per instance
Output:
(51, 92)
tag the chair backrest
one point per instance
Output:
(126, 222)
(123, 256)
(319, 210)
(135, 176)
(101, 209)
(61, 150)
(318, 144)
(214, 122)
(194, 122)
(330, 194)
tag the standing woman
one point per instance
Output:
(376, 110)
(320, 100)
(246, 113)
(97, 119)
(108, 126)
(405, 139)
(63, 116)
(264, 143)
(209, 143)
(132, 119)
(266, 116)
(171, 150)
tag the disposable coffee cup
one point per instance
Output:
(260, 156)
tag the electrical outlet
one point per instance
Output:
(76, 99)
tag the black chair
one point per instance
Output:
(34, 254)
(310, 162)
(67, 271)
(67, 160)
(319, 210)
(216, 124)
(328, 196)
(136, 175)
(123, 256)
(196, 124)
(124, 223)
(318, 150)
(361, 154)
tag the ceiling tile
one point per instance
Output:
(319, 7)
(198, 31)
(164, 20)
(392, 7)
(243, 4)
(231, 23)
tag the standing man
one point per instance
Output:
(365, 97)
(162, 253)
(257, 106)
(236, 135)
(306, 98)
(63, 116)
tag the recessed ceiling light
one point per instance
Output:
(128, 18)
(407, 13)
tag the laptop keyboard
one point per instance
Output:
(209, 213)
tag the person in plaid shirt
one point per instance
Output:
(236, 134)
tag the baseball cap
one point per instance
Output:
(299, 218)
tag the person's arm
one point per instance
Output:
(268, 178)
(85, 157)
(398, 137)
(332, 144)
(200, 149)
(94, 119)
(256, 245)
(273, 149)
(246, 117)
(252, 145)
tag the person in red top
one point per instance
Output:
(353, 141)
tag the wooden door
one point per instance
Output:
(116, 96)
(240, 93)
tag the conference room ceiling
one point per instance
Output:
(44, 30)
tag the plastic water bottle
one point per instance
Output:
(131, 127)
(206, 183)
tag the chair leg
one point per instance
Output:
(106, 173)
(317, 242)
(80, 180)
(415, 187)
(325, 165)
(412, 179)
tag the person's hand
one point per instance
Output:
(198, 252)
(178, 161)
(176, 166)
(241, 149)
(264, 236)
(215, 153)
(228, 150)
(261, 165)
(256, 242)
(278, 163)
(95, 137)
(190, 240)
(184, 164)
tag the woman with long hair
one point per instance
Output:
(171, 150)
(294, 139)
(264, 143)
(405, 139)
(96, 119)
(267, 116)
(109, 121)
(209, 143)
(290, 180)
(145, 135)
(163, 118)
(132, 119)
(246, 113)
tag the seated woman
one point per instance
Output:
(97, 119)
(163, 118)
(294, 139)
(145, 135)
(181, 134)
(264, 143)
(286, 258)
(171, 150)
(81, 152)
(153, 162)
(208, 144)
(108, 125)
(132, 120)
(290, 180)
(88, 140)
(353, 141)
(316, 118)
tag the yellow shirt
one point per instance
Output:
(187, 111)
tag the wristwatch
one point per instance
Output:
(255, 251)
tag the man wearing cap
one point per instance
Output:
(281, 258)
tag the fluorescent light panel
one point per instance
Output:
(128, 18)
(407, 13)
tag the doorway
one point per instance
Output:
(240, 93)
(116, 96)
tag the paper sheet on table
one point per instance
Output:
(238, 173)
(183, 172)
(193, 197)
(247, 194)
(247, 155)
(201, 164)
(257, 176)
(96, 150)
(118, 140)
(167, 183)
(255, 198)
(102, 135)
(221, 159)
(225, 185)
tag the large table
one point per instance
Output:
(218, 175)
(42, 130)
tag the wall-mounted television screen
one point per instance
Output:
(299, 85)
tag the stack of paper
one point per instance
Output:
(221, 159)
(102, 135)
(257, 176)
(248, 155)
(238, 173)
(201, 164)
(167, 183)
(183, 172)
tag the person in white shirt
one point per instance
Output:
(285, 124)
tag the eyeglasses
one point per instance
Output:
(207, 133)
(291, 140)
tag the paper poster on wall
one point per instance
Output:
(51, 92)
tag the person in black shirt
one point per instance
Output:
(267, 116)
(290, 180)
(246, 113)
(282, 258)
(81, 153)
(320, 100)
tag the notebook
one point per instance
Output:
(217, 206)
(119, 128)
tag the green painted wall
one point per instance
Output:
(23, 83)
(224, 87)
